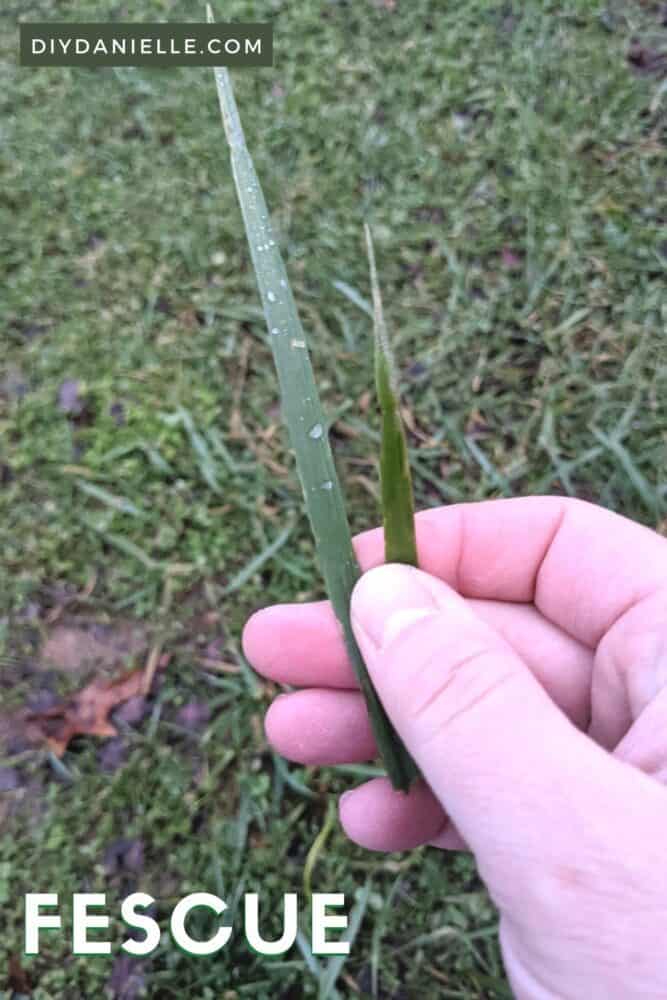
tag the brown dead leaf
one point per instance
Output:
(341, 429)
(257, 727)
(187, 319)
(152, 664)
(445, 468)
(218, 666)
(364, 401)
(258, 441)
(476, 424)
(264, 458)
(79, 646)
(268, 432)
(237, 429)
(85, 713)
(413, 427)
(370, 487)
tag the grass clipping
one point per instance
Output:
(306, 423)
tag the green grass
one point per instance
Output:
(513, 167)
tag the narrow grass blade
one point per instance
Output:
(202, 452)
(317, 848)
(335, 965)
(398, 508)
(640, 483)
(306, 423)
(127, 546)
(256, 564)
(121, 504)
(284, 773)
(311, 961)
(353, 295)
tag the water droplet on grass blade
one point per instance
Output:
(275, 331)
(270, 296)
(315, 465)
(315, 432)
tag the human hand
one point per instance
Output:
(536, 707)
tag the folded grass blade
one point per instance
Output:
(398, 509)
(306, 423)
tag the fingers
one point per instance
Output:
(561, 664)
(381, 819)
(332, 727)
(645, 744)
(320, 726)
(298, 644)
(302, 645)
(629, 670)
(581, 565)
(526, 790)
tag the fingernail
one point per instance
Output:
(387, 600)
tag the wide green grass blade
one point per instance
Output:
(398, 507)
(306, 423)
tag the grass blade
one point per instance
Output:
(353, 295)
(637, 479)
(306, 423)
(256, 564)
(335, 964)
(317, 848)
(121, 504)
(398, 508)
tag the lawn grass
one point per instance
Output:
(513, 165)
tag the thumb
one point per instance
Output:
(521, 784)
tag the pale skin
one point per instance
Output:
(525, 666)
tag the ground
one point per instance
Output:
(512, 160)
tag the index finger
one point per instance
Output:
(581, 565)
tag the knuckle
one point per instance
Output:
(453, 685)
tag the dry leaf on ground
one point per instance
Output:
(85, 713)
(77, 646)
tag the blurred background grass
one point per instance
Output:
(512, 160)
